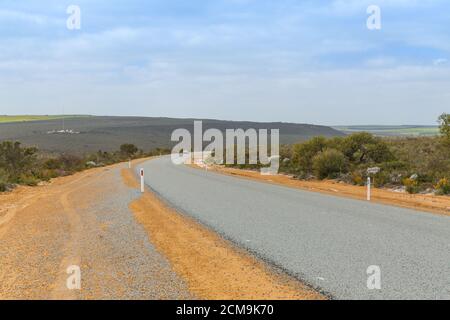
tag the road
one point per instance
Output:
(328, 242)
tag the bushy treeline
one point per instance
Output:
(419, 164)
(29, 166)
(416, 163)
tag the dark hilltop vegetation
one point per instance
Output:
(38, 148)
(91, 134)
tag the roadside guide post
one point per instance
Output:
(129, 164)
(142, 180)
(370, 171)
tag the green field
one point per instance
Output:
(27, 118)
(388, 131)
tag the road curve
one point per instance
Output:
(328, 242)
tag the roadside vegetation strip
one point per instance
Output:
(429, 203)
(28, 166)
(415, 165)
(211, 266)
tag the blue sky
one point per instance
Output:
(285, 60)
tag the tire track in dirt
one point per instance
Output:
(81, 220)
(71, 251)
(32, 237)
(28, 201)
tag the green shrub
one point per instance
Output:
(364, 147)
(128, 149)
(16, 160)
(329, 164)
(411, 185)
(444, 126)
(443, 186)
(357, 178)
(381, 178)
(29, 180)
(52, 164)
(3, 180)
(304, 153)
(47, 174)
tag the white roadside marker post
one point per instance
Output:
(129, 164)
(142, 180)
(371, 171)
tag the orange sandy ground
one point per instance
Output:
(212, 267)
(41, 217)
(429, 203)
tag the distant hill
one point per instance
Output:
(93, 133)
(389, 131)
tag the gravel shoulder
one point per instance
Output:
(81, 220)
(212, 267)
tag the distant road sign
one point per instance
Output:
(373, 170)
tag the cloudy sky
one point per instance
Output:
(279, 60)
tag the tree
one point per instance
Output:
(444, 126)
(329, 164)
(15, 160)
(363, 147)
(303, 153)
(128, 149)
(355, 145)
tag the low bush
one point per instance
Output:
(328, 164)
(443, 186)
(26, 166)
(29, 180)
(411, 185)
(357, 178)
(3, 180)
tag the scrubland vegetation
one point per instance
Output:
(415, 164)
(28, 166)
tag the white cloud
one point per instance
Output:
(232, 63)
(14, 15)
(440, 62)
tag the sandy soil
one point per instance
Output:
(80, 220)
(212, 267)
(429, 203)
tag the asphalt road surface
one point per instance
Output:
(328, 242)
